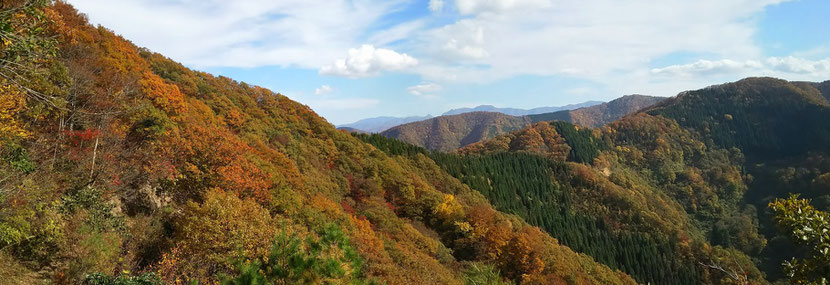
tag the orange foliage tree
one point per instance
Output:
(165, 96)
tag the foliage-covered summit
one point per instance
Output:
(764, 117)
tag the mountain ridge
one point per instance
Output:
(447, 133)
(382, 123)
(520, 112)
(601, 114)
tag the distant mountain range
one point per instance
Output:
(521, 112)
(449, 132)
(599, 115)
(380, 124)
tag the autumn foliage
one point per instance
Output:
(117, 163)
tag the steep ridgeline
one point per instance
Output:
(602, 114)
(115, 160)
(446, 133)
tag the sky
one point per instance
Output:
(355, 59)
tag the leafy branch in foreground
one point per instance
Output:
(808, 227)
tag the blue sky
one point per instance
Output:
(353, 59)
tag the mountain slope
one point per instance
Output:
(520, 112)
(119, 161)
(379, 124)
(824, 88)
(782, 127)
(446, 133)
(717, 155)
(615, 199)
(602, 114)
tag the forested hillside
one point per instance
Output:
(120, 166)
(719, 156)
(783, 128)
(642, 195)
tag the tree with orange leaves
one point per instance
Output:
(165, 96)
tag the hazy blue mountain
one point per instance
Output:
(521, 112)
(379, 124)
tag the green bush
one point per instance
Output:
(104, 279)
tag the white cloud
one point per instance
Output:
(703, 67)
(436, 5)
(396, 33)
(497, 6)
(793, 64)
(592, 40)
(325, 89)
(467, 44)
(671, 79)
(424, 89)
(242, 33)
(368, 61)
(610, 43)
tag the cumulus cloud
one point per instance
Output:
(703, 67)
(424, 89)
(368, 61)
(325, 89)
